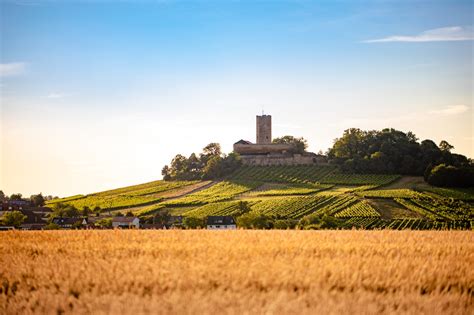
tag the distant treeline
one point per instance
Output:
(390, 151)
(210, 164)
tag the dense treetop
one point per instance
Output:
(391, 151)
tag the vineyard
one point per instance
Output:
(287, 189)
(222, 191)
(359, 209)
(296, 194)
(315, 174)
(132, 196)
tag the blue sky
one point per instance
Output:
(99, 94)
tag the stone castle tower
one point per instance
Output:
(264, 129)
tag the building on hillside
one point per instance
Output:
(126, 222)
(32, 226)
(264, 152)
(175, 221)
(70, 223)
(11, 205)
(221, 223)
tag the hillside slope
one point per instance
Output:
(295, 193)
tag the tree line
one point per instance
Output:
(37, 200)
(391, 151)
(211, 163)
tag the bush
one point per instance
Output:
(284, 224)
(52, 226)
(254, 221)
(13, 218)
(105, 223)
(451, 176)
(193, 223)
(319, 222)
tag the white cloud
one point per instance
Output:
(451, 110)
(452, 33)
(56, 95)
(11, 69)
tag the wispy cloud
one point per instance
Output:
(451, 110)
(452, 33)
(55, 95)
(11, 69)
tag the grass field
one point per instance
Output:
(237, 272)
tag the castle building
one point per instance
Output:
(264, 152)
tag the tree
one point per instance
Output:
(445, 146)
(254, 221)
(129, 214)
(161, 217)
(243, 207)
(16, 197)
(211, 164)
(166, 172)
(86, 211)
(105, 223)
(193, 222)
(2, 196)
(213, 168)
(178, 167)
(64, 210)
(37, 200)
(318, 222)
(390, 151)
(300, 144)
(13, 218)
(211, 150)
(451, 176)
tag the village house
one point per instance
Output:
(221, 223)
(69, 223)
(33, 221)
(126, 222)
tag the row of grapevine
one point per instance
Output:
(455, 193)
(413, 207)
(359, 209)
(445, 207)
(222, 191)
(132, 196)
(358, 179)
(218, 208)
(389, 193)
(404, 224)
(291, 207)
(284, 174)
(338, 204)
(327, 174)
(289, 189)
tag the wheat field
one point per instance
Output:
(236, 272)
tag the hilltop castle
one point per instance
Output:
(264, 152)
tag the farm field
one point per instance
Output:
(366, 201)
(235, 272)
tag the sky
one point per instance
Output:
(97, 95)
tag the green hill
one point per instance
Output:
(295, 193)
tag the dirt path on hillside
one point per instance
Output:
(409, 182)
(389, 209)
(187, 190)
(173, 194)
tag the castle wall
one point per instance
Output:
(262, 148)
(268, 160)
(264, 129)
